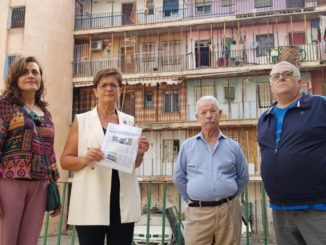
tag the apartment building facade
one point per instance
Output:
(173, 52)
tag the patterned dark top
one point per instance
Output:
(21, 151)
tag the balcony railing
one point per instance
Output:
(183, 11)
(163, 62)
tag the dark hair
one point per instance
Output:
(13, 93)
(107, 72)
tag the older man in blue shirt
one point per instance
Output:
(210, 173)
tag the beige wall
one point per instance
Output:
(48, 36)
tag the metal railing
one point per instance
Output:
(257, 226)
(184, 11)
(162, 62)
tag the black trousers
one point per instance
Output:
(117, 233)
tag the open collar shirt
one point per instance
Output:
(202, 173)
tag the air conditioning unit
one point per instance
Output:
(96, 45)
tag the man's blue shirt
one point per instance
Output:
(202, 173)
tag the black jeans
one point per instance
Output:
(117, 233)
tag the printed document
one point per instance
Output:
(120, 147)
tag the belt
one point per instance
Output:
(210, 203)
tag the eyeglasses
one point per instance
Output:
(106, 85)
(285, 74)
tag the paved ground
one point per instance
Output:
(66, 240)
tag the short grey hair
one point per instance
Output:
(295, 69)
(207, 98)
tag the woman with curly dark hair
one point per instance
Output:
(27, 158)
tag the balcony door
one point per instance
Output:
(127, 59)
(202, 53)
(128, 13)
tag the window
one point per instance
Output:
(264, 95)
(298, 38)
(170, 150)
(203, 53)
(297, 3)
(148, 100)
(149, 52)
(83, 99)
(203, 7)
(227, 3)
(17, 17)
(263, 3)
(9, 60)
(265, 43)
(149, 8)
(170, 52)
(170, 7)
(171, 101)
(229, 92)
(204, 90)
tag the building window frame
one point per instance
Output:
(227, 3)
(229, 92)
(263, 3)
(149, 52)
(171, 101)
(170, 51)
(264, 95)
(265, 44)
(204, 90)
(148, 100)
(170, 8)
(149, 7)
(203, 7)
(17, 17)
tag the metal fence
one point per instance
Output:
(249, 215)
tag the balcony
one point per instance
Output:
(157, 62)
(85, 18)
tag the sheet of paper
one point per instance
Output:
(120, 147)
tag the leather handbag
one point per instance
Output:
(53, 198)
(53, 195)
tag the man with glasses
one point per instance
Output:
(292, 140)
